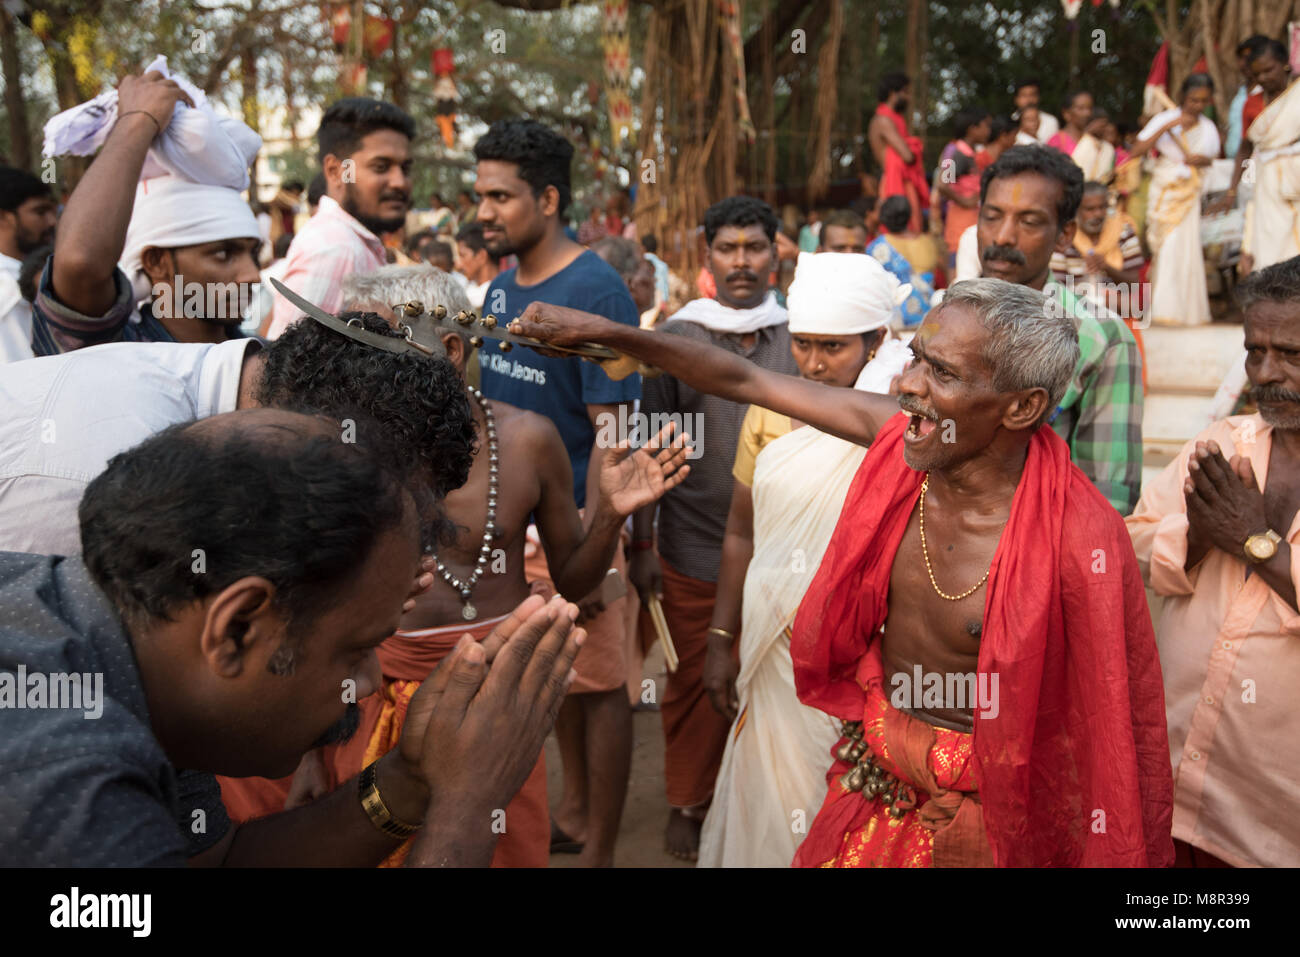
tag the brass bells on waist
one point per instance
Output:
(868, 777)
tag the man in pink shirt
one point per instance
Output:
(365, 154)
(1219, 539)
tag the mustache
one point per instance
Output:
(742, 275)
(1008, 254)
(341, 730)
(395, 194)
(1275, 393)
(912, 406)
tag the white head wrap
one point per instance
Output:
(170, 211)
(189, 190)
(842, 294)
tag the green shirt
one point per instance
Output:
(1100, 415)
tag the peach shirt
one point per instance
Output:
(1230, 654)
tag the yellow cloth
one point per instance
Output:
(920, 251)
(1107, 245)
(760, 427)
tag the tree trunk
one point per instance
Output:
(248, 77)
(20, 143)
(914, 63)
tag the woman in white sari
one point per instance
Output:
(1187, 142)
(790, 485)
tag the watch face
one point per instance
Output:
(1259, 546)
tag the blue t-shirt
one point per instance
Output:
(560, 388)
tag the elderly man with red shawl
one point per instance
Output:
(978, 622)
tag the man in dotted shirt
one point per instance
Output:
(220, 634)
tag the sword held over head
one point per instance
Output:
(423, 335)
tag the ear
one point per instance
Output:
(332, 167)
(455, 346)
(1067, 236)
(241, 628)
(1025, 410)
(159, 265)
(549, 201)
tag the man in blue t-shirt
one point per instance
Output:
(523, 185)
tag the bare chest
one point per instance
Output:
(932, 640)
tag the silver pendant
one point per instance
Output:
(469, 612)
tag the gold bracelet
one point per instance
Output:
(722, 632)
(377, 810)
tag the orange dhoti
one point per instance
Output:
(602, 661)
(695, 735)
(928, 776)
(406, 659)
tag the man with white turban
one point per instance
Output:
(790, 483)
(156, 244)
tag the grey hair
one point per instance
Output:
(623, 254)
(1279, 282)
(1029, 345)
(392, 285)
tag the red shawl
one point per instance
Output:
(1074, 770)
(897, 175)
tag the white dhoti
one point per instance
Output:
(1178, 291)
(773, 775)
(1276, 221)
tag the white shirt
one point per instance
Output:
(67, 415)
(15, 314)
(476, 293)
(1205, 142)
(332, 246)
(1047, 126)
(969, 265)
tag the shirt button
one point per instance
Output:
(1195, 755)
(1227, 645)
(1209, 700)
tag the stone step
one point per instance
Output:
(1173, 418)
(1193, 359)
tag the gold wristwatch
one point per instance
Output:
(1260, 548)
(377, 810)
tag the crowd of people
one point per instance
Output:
(325, 579)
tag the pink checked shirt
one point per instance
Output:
(332, 246)
(1230, 654)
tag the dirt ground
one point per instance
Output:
(641, 834)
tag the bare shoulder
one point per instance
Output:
(532, 429)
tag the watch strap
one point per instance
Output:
(373, 804)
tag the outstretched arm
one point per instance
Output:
(848, 413)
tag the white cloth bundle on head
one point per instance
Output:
(197, 144)
(171, 211)
(189, 189)
(716, 317)
(842, 294)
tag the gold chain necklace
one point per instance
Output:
(925, 553)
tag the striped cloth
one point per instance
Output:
(1100, 415)
(331, 247)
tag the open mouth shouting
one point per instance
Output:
(923, 421)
